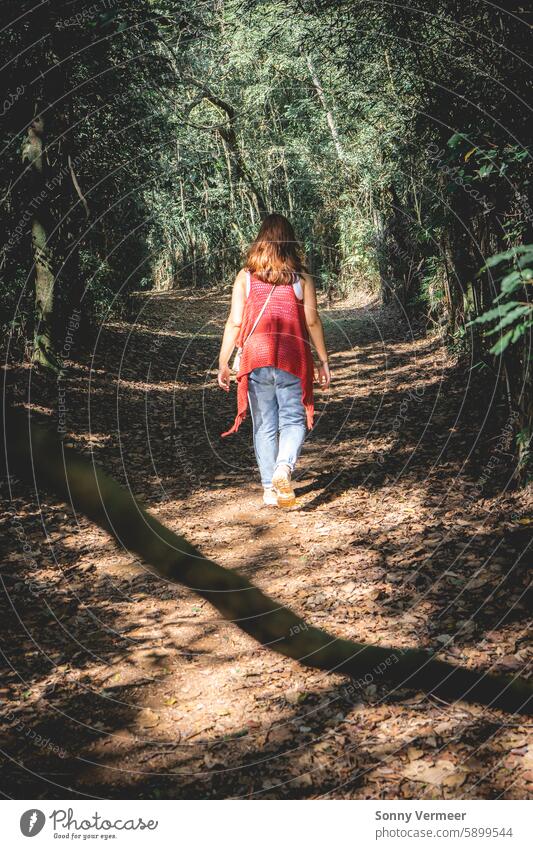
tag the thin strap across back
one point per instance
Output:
(297, 287)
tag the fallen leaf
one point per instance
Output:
(147, 718)
(442, 772)
(509, 661)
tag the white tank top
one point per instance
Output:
(297, 287)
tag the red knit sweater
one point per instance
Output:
(280, 340)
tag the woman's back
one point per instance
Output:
(273, 320)
(280, 337)
(274, 333)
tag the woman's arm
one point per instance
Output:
(315, 328)
(231, 330)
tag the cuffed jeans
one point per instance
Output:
(278, 417)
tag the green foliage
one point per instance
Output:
(512, 314)
(395, 138)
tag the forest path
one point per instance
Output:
(403, 535)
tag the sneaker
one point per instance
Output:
(281, 483)
(270, 497)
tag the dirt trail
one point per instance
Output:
(404, 534)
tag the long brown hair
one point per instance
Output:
(275, 256)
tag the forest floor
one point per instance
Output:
(406, 533)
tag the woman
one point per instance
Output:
(272, 318)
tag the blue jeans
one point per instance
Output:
(278, 417)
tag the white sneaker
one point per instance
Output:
(282, 484)
(270, 497)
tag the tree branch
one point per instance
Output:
(77, 187)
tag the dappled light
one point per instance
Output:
(166, 631)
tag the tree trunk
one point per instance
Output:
(43, 351)
(381, 254)
(34, 155)
(329, 115)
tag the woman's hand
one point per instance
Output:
(223, 378)
(323, 375)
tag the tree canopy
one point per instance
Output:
(143, 141)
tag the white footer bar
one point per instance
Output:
(268, 824)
